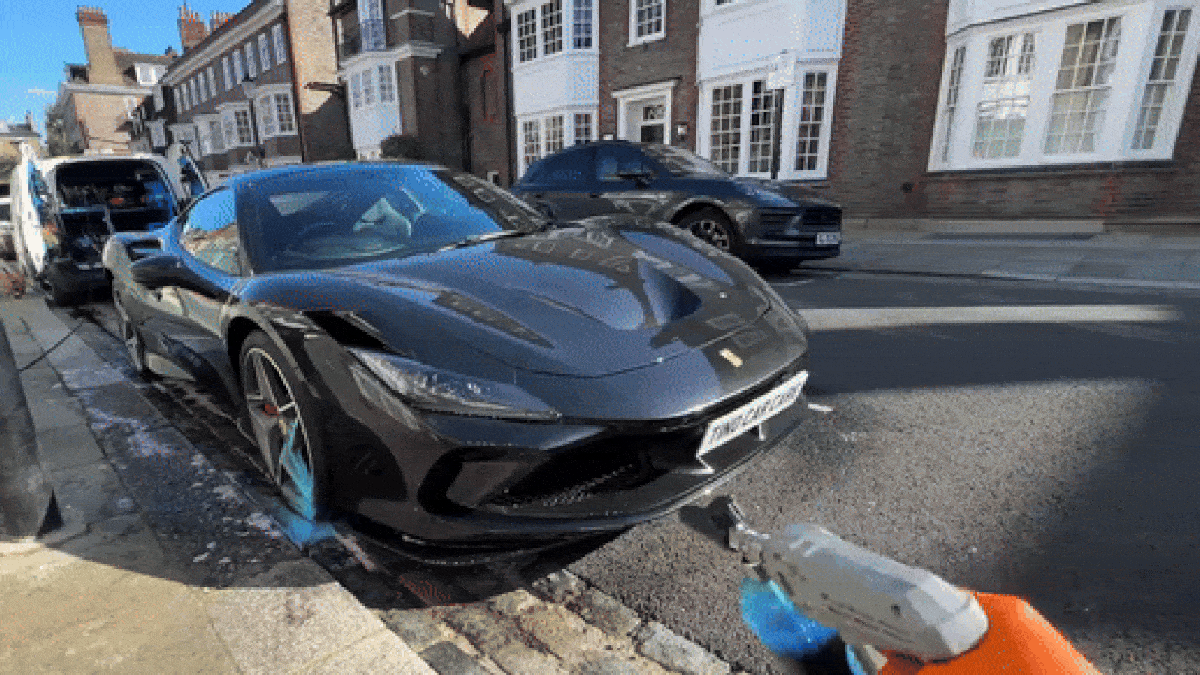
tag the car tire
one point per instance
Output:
(714, 227)
(280, 409)
(134, 344)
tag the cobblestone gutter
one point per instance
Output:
(563, 626)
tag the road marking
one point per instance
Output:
(892, 317)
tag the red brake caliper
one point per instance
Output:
(270, 410)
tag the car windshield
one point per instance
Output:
(682, 162)
(342, 215)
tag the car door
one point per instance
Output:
(612, 185)
(210, 250)
(564, 182)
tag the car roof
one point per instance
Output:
(49, 163)
(331, 167)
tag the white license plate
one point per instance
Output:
(734, 424)
(828, 238)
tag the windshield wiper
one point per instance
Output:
(480, 238)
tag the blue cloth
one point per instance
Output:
(784, 629)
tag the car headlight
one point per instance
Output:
(441, 391)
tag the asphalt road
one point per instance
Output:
(1053, 460)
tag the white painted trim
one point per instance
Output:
(626, 97)
(409, 10)
(75, 88)
(634, 40)
(416, 49)
(1140, 25)
(186, 65)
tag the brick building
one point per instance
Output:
(749, 84)
(257, 88)
(1051, 110)
(555, 53)
(430, 70)
(96, 101)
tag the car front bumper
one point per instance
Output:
(467, 482)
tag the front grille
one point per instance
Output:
(617, 463)
(780, 225)
(822, 218)
(775, 220)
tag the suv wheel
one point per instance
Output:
(713, 227)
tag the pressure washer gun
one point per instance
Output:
(894, 619)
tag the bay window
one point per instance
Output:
(1076, 85)
(546, 28)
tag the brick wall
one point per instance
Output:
(103, 117)
(674, 56)
(884, 114)
(1122, 194)
(488, 138)
(323, 124)
(885, 106)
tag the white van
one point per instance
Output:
(65, 208)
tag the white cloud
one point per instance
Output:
(41, 92)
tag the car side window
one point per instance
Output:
(614, 159)
(567, 167)
(210, 232)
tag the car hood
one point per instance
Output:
(584, 301)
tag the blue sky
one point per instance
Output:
(38, 36)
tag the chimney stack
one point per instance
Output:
(192, 30)
(217, 19)
(102, 65)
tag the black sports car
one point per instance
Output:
(421, 348)
(748, 217)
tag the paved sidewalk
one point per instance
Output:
(119, 588)
(1118, 260)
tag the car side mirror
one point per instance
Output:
(641, 176)
(156, 271)
(164, 269)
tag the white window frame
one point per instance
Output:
(1166, 82)
(159, 99)
(583, 14)
(387, 76)
(280, 47)
(264, 53)
(649, 36)
(212, 82)
(530, 153)
(228, 73)
(551, 27)
(251, 67)
(528, 45)
(229, 117)
(1141, 24)
(201, 87)
(794, 87)
(216, 133)
(1006, 87)
(565, 120)
(280, 99)
(238, 73)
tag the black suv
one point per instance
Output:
(744, 216)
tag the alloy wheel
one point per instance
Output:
(713, 232)
(279, 429)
